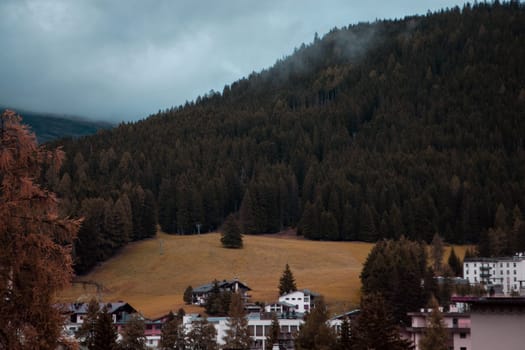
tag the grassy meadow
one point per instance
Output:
(152, 275)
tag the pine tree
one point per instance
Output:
(35, 254)
(202, 336)
(188, 295)
(105, 332)
(173, 336)
(344, 342)
(231, 233)
(315, 334)
(436, 336)
(133, 335)
(275, 330)
(237, 336)
(375, 328)
(86, 332)
(455, 263)
(436, 253)
(287, 281)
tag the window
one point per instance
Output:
(514, 279)
(514, 264)
(508, 272)
(514, 271)
(466, 272)
(463, 348)
(462, 335)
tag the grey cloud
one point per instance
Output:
(123, 60)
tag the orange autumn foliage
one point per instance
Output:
(35, 243)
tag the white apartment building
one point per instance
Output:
(506, 275)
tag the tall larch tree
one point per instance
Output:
(35, 242)
(287, 281)
(237, 336)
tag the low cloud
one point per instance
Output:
(122, 60)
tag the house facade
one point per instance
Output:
(301, 300)
(200, 294)
(457, 324)
(505, 275)
(496, 322)
(120, 312)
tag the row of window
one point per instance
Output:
(500, 272)
(493, 265)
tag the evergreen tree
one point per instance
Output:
(287, 281)
(188, 295)
(275, 331)
(344, 342)
(367, 226)
(173, 336)
(455, 263)
(133, 337)
(86, 332)
(231, 233)
(237, 336)
(105, 332)
(315, 334)
(437, 250)
(436, 335)
(202, 336)
(375, 328)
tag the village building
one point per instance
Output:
(76, 312)
(500, 276)
(456, 321)
(300, 301)
(200, 294)
(496, 322)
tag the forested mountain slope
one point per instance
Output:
(413, 126)
(48, 127)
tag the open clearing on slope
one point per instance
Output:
(152, 275)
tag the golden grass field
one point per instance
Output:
(153, 279)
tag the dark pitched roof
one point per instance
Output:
(206, 288)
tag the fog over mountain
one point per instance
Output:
(123, 60)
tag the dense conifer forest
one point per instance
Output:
(375, 130)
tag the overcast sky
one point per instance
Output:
(123, 60)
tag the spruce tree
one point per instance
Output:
(314, 333)
(173, 334)
(133, 335)
(188, 295)
(344, 342)
(455, 263)
(436, 253)
(237, 336)
(436, 335)
(202, 336)
(275, 331)
(375, 328)
(105, 332)
(287, 282)
(86, 332)
(231, 233)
